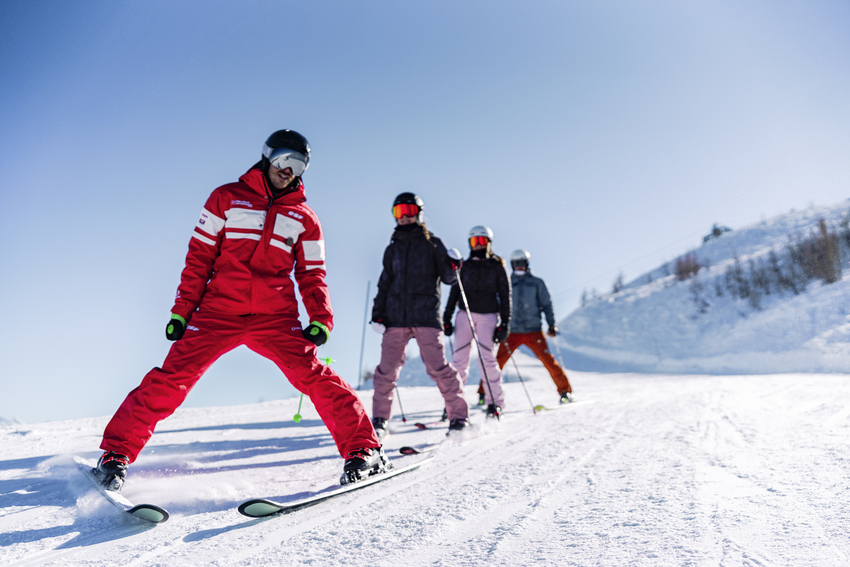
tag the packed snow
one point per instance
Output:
(712, 456)
(655, 323)
(640, 470)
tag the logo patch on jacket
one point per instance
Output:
(294, 214)
(243, 203)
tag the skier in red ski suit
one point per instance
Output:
(236, 290)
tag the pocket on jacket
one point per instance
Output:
(286, 232)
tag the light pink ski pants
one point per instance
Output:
(485, 327)
(433, 354)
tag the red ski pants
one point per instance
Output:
(211, 335)
(537, 343)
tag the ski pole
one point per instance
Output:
(401, 407)
(558, 348)
(363, 338)
(297, 417)
(521, 381)
(475, 337)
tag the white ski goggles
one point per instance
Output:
(282, 158)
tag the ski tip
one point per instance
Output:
(258, 508)
(409, 451)
(421, 425)
(150, 513)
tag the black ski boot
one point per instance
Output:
(481, 401)
(566, 397)
(493, 411)
(445, 415)
(363, 463)
(381, 427)
(456, 425)
(112, 469)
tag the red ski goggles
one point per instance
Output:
(405, 210)
(478, 241)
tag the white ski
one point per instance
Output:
(147, 512)
(261, 507)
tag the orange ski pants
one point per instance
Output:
(538, 345)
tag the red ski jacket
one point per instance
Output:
(243, 251)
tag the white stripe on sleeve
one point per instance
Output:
(203, 238)
(314, 250)
(210, 223)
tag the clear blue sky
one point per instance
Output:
(600, 136)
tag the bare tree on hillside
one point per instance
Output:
(687, 266)
(618, 283)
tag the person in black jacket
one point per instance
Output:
(407, 306)
(488, 291)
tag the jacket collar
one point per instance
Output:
(415, 232)
(256, 180)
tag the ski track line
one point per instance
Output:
(48, 556)
(354, 502)
(541, 509)
(772, 503)
(504, 514)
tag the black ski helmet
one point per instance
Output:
(288, 140)
(411, 199)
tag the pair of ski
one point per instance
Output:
(255, 508)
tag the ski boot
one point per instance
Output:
(381, 427)
(445, 415)
(112, 469)
(493, 411)
(566, 397)
(363, 463)
(456, 425)
(481, 401)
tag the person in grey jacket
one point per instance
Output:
(530, 297)
(407, 306)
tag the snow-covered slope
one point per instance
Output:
(652, 470)
(655, 325)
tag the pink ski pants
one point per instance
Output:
(433, 354)
(485, 326)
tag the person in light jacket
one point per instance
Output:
(531, 299)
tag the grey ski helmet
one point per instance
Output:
(287, 148)
(519, 259)
(411, 199)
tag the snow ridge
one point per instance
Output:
(657, 324)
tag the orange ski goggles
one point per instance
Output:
(405, 210)
(478, 241)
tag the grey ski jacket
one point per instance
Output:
(530, 299)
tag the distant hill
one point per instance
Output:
(750, 306)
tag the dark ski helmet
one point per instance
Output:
(287, 148)
(410, 199)
(519, 259)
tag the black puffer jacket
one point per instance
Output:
(487, 288)
(415, 263)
